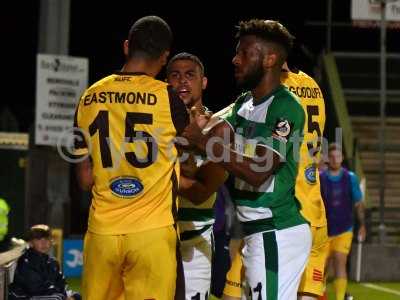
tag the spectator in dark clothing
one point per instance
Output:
(38, 275)
(221, 262)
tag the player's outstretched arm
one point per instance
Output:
(254, 170)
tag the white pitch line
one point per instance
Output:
(379, 288)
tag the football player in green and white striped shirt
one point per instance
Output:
(264, 131)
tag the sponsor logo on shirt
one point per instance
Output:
(126, 187)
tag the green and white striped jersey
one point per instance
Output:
(276, 122)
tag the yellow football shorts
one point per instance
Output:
(139, 265)
(313, 279)
(235, 276)
(341, 243)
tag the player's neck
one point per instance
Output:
(150, 68)
(266, 86)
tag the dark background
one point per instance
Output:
(98, 29)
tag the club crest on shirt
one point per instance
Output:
(310, 173)
(282, 129)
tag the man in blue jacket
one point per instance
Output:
(38, 275)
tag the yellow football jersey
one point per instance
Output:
(129, 122)
(307, 188)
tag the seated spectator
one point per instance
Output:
(38, 275)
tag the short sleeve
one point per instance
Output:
(283, 127)
(80, 144)
(356, 194)
(229, 113)
(230, 117)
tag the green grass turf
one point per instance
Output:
(357, 290)
(74, 284)
(360, 292)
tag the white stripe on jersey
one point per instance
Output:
(193, 225)
(255, 113)
(245, 213)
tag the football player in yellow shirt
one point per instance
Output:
(307, 190)
(128, 122)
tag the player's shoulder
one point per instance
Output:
(303, 74)
(240, 100)
(308, 79)
(353, 176)
(302, 77)
(149, 83)
(118, 78)
(100, 84)
(303, 86)
(158, 83)
(243, 97)
(284, 97)
(287, 104)
(225, 111)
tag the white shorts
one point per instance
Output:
(274, 262)
(197, 258)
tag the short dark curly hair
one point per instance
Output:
(149, 37)
(268, 31)
(185, 56)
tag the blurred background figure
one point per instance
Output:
(341, 193)
(38, 276)
(224, 217)
(5, 242)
